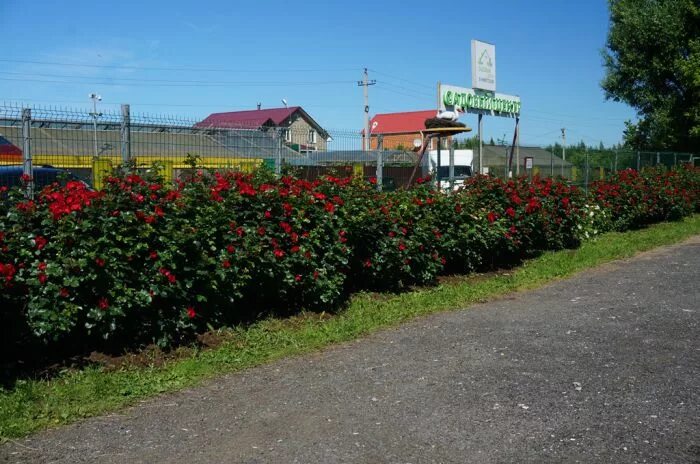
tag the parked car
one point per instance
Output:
(11, 176)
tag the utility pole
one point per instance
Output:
(366, 83)
(95, 98)
(563, 150)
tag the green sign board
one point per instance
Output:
(472, 101)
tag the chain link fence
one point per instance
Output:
(55, 144)
(50, 144)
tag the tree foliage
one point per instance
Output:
(652, 61)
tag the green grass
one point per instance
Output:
(32, 405)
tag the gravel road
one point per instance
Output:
(601, 367)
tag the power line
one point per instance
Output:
(402, 79)
(570, 116)
(380, 86)
(167, 68)
(193, 84)
(413, 91)
(19, 101)
(131, 79)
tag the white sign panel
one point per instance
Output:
(483, 66)
(478, 101)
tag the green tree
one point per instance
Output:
(652, 63)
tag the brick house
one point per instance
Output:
(399, 130)
(301, 131)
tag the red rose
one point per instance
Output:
(100, 262)
(297, 278)
(42, 278)
(39, 242)
(286, 227)
(191, 313)
(103, 303)
(491, 216)
(63, 292)
(230, 249)
(226, 264)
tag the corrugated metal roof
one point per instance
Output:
(400, 123)
(249, 119)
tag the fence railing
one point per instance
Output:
(50, 143)
(86, 145)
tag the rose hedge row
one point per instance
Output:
(140, 262)
(636, 199)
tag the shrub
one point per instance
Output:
(141, 261)
(635, 199)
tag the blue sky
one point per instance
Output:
(221, 56)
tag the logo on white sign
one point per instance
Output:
(483, 66)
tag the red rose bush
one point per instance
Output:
(141, 261)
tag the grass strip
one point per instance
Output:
(37, 404)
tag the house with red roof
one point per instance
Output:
(398, 130)
(301, 132)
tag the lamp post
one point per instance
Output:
(95, 98)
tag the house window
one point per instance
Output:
(287, 135)
(312, 136)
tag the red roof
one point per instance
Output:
(248, 119)
(400, 123)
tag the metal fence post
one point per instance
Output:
(615, 168)
(278, 152)
(586, 172)
(551, 163)
(451, 169)
(639, 162)
(125, 132)
(380, 162)
(658, 158)
(27, 166)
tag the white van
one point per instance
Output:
(462, 166)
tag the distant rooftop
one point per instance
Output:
(248, 118)
(400, 123)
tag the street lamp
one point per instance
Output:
(95, 98)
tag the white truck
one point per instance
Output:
(462, 166)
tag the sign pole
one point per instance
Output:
(437, 169)
(517, 146)
(481, 145)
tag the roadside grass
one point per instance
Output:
(32, 405)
